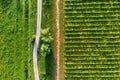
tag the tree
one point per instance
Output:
(46, 39)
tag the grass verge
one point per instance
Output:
(45, 62)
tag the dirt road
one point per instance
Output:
(58, 40)
(36, 44)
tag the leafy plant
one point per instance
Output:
(46, 39)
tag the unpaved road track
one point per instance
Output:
(58, 39)
(36, 44)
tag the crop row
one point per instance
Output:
(92, 40)
(80, 2)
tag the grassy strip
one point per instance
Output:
(62, 33)
(46, 61)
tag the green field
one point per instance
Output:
(17, 34)
(92, 39)
(17, 27)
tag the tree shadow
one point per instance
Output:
(49, 66)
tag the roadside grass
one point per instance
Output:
(45, 62)
(62, 33)
(45, 66)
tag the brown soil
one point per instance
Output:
(56, 43)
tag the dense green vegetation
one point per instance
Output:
(45, 56)
(17, 25)
(92, 39)
(17, 34)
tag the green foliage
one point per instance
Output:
(46, 56)
(46, 34)
(46, 39)
(33, 39)
(17, 25)
(92, 39)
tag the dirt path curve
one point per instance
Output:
(36, 43)
(58, 39)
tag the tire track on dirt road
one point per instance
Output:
(58, 39)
